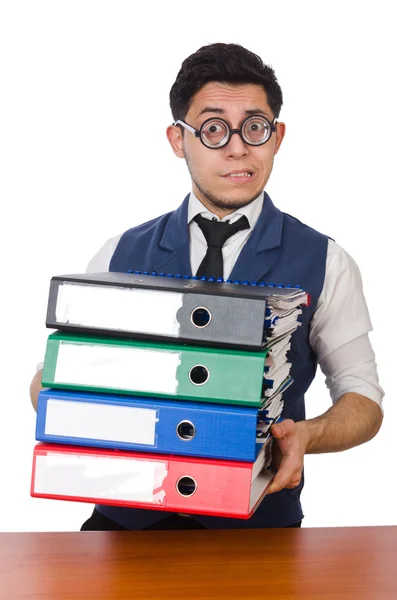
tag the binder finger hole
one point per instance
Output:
(186, 486)
(199, 375)
(186, 430)
(201, 317)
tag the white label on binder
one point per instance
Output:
(95, 421)
(118, 308)
(87, 476)
(117, 367)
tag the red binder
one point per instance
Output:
(162, 482)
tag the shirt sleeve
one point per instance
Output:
(99, 263)
(352, 368)
(339, 330)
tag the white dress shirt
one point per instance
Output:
(340, 325)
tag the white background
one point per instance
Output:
(84, 108)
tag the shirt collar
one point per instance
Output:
(251, 211)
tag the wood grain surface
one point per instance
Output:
(357, 563)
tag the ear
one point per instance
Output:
(280, 133)
(174, 135)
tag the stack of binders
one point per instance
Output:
(162, 391)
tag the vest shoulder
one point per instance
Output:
(148, 227)
(295, 223)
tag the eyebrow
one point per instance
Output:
(220, 111)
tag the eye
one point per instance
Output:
(256, 130)
(214, 128)
(214, 132)
(256, 126)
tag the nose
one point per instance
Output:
(236, 146)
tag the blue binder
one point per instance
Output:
(142, 424)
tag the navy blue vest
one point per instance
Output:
(280, 249)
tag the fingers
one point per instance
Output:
(287, 454)
(276, 486)
(288, 476)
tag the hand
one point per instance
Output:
(288, 451)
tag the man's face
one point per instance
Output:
(211, 170)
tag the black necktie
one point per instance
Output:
(216, 233)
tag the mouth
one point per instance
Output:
(239, 176)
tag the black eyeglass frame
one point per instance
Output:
(197, 132)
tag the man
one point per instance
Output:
(225, 104)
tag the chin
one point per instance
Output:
(230, 197)
(239, 194)
(233, 201)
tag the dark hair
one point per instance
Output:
(226, 63)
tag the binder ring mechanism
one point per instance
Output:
(199, 375)
(185, 430)
(201, 317)
(186, 486)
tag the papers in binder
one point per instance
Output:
(275, 376)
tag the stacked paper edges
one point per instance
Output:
(162, 391)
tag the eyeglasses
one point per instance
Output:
(215, 133)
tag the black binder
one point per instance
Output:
(175, 308)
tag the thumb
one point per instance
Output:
(282, 428)
(277, 431)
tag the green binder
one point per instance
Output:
(113, 365)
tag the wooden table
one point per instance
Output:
(357, 563)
